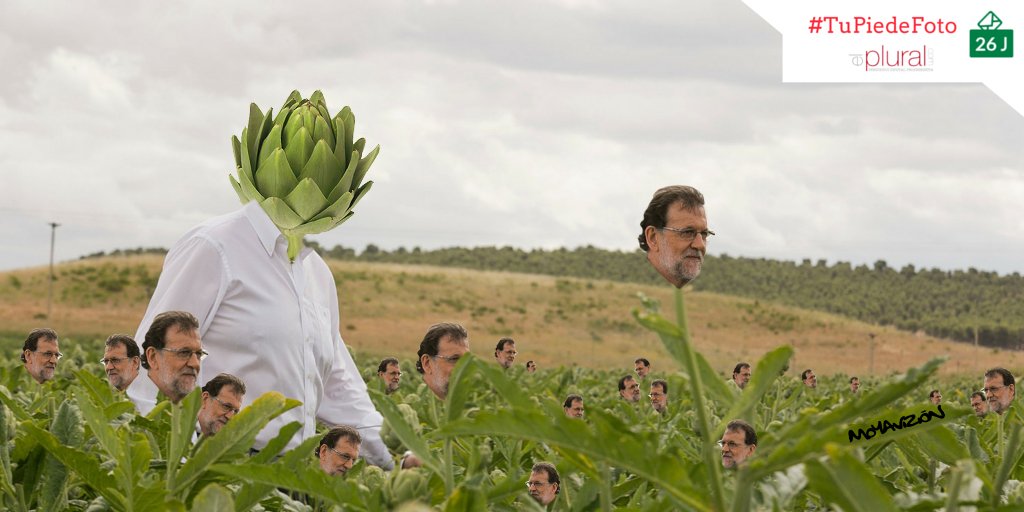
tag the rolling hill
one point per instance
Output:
(386, 308)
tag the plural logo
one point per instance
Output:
(890, 60)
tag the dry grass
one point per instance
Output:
(386, 308)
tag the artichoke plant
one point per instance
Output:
(302, 166)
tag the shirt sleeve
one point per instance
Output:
(346, 402)
(194, 279)
(375, 451)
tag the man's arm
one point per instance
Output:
(345, 399)
(347, 402)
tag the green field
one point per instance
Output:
(75, 445)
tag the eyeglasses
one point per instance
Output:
(450, 359)
(185, 354)
(993, 389)
(115, 360)
(393, 374)
(532, 484)
(656, 395)
(226, 407)
(344, 456)
(689, 234)
(731, 444)
(49, 355)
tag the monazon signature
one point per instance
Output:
(907, 421)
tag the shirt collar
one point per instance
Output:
(266, 230)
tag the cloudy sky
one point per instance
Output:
(526, 123)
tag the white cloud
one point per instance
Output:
(533, 124)
(83, 81)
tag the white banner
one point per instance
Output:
(870, 41)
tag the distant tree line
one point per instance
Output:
(125, 252)
(965, 305)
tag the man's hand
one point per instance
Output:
(410, 460)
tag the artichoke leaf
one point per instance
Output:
(282, 116)
(337, 208)
(309, 115)
(317, 98)
(359, 146)
(272, 142)
(345, 112)
(306, 199)
(360, 193)
(246, 163)
(236, 149)
(345, 184)
(312, 227)
(268, 121)
(321, 131)
(279, 212)
(255, 124)
(337, 222)
(350, 128)
(293, 99)
(238, 190)
(322, 109)
(249, 187)
(275, 177)
(299, 150)
(339, 148)
(364, 166)
(325, 170)
(291, 127)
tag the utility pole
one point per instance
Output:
(49, 298)
(871, 354)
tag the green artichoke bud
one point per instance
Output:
(414, 506)
(302, 166)
(496, 476)
(391, 439)
(407, 485)
(373, 477)
(412, 399)
(8, 427)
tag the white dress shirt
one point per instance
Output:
(268, 321)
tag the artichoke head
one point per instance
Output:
(302, 166)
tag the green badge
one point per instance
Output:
(989, 41)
